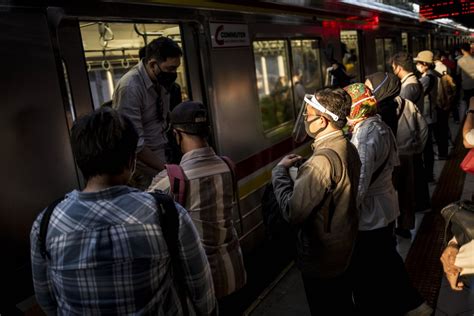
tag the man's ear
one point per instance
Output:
(325, 120)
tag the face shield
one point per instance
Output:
(299, 132)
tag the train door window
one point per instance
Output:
(405, 42)
(111, 49)
(350, 53)
(385, 49)
(273, 82)
(306, 63)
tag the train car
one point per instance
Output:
(241, 59)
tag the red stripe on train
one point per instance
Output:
(263, 158)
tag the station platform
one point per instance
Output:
(285, 296)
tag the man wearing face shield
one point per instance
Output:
(143, 95)
(321, 203)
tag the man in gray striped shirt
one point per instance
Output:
(209, 200)
(142, 95)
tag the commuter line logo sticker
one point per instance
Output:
(229, 35)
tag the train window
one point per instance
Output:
(350, 53)
(273, 84)
(385, 49)
(405, 42)
(111, 49)
(306, 62)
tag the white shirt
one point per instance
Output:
(440, 67)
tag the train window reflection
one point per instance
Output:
(111, 49)
(350, 53)
(273, 82)
(306, 62)
(384, 48)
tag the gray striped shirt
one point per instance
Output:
(209, 200)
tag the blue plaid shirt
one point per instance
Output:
(109, 257)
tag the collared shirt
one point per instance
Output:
(137, 97)
(209, 200)
(109, 257)
(466, 69)
(378, 203)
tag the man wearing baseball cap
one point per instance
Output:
(321, 203)
(209, 197)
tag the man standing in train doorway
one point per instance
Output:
(321, 203)
(143, 95)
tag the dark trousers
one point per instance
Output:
(404, 183)
(467, 96)
(428, 153)
(329, 296)
(421, 176)
(441, 132)
(230, 305)
(380, 280)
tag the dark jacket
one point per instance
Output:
(322, 253)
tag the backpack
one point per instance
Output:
(169, 220)
(412, 132)
(178, 184)
(446, 92)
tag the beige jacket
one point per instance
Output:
(322, 253)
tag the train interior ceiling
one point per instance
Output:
(111, 49)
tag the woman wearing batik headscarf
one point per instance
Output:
(375, 255)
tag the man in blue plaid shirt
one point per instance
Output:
(105, 245)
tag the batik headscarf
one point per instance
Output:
(363, 105)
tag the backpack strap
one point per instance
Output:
(235, 190)
(44, 228)
(379, 170)
(169, 221)
(336, 175)
(177, 180)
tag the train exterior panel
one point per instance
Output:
(49, 80)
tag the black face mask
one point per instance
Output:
(308, 124)
(166, 79)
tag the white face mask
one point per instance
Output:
(420, 68)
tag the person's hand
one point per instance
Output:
(471, 103)
(289, 160)
(452, 272)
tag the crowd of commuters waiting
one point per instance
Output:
(113, 249)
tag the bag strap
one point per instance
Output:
(379, 170)
(402, 108)
(169, 221)
(235, 187)
(177, 180)
(336, 175)
(44, 228)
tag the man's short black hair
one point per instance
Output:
(162, 48)
(336, 101)
(103, 142)
(466, 47)
(404, 60)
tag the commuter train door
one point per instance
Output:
(95, 53)
(351, 52)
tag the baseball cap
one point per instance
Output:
(189, 116)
